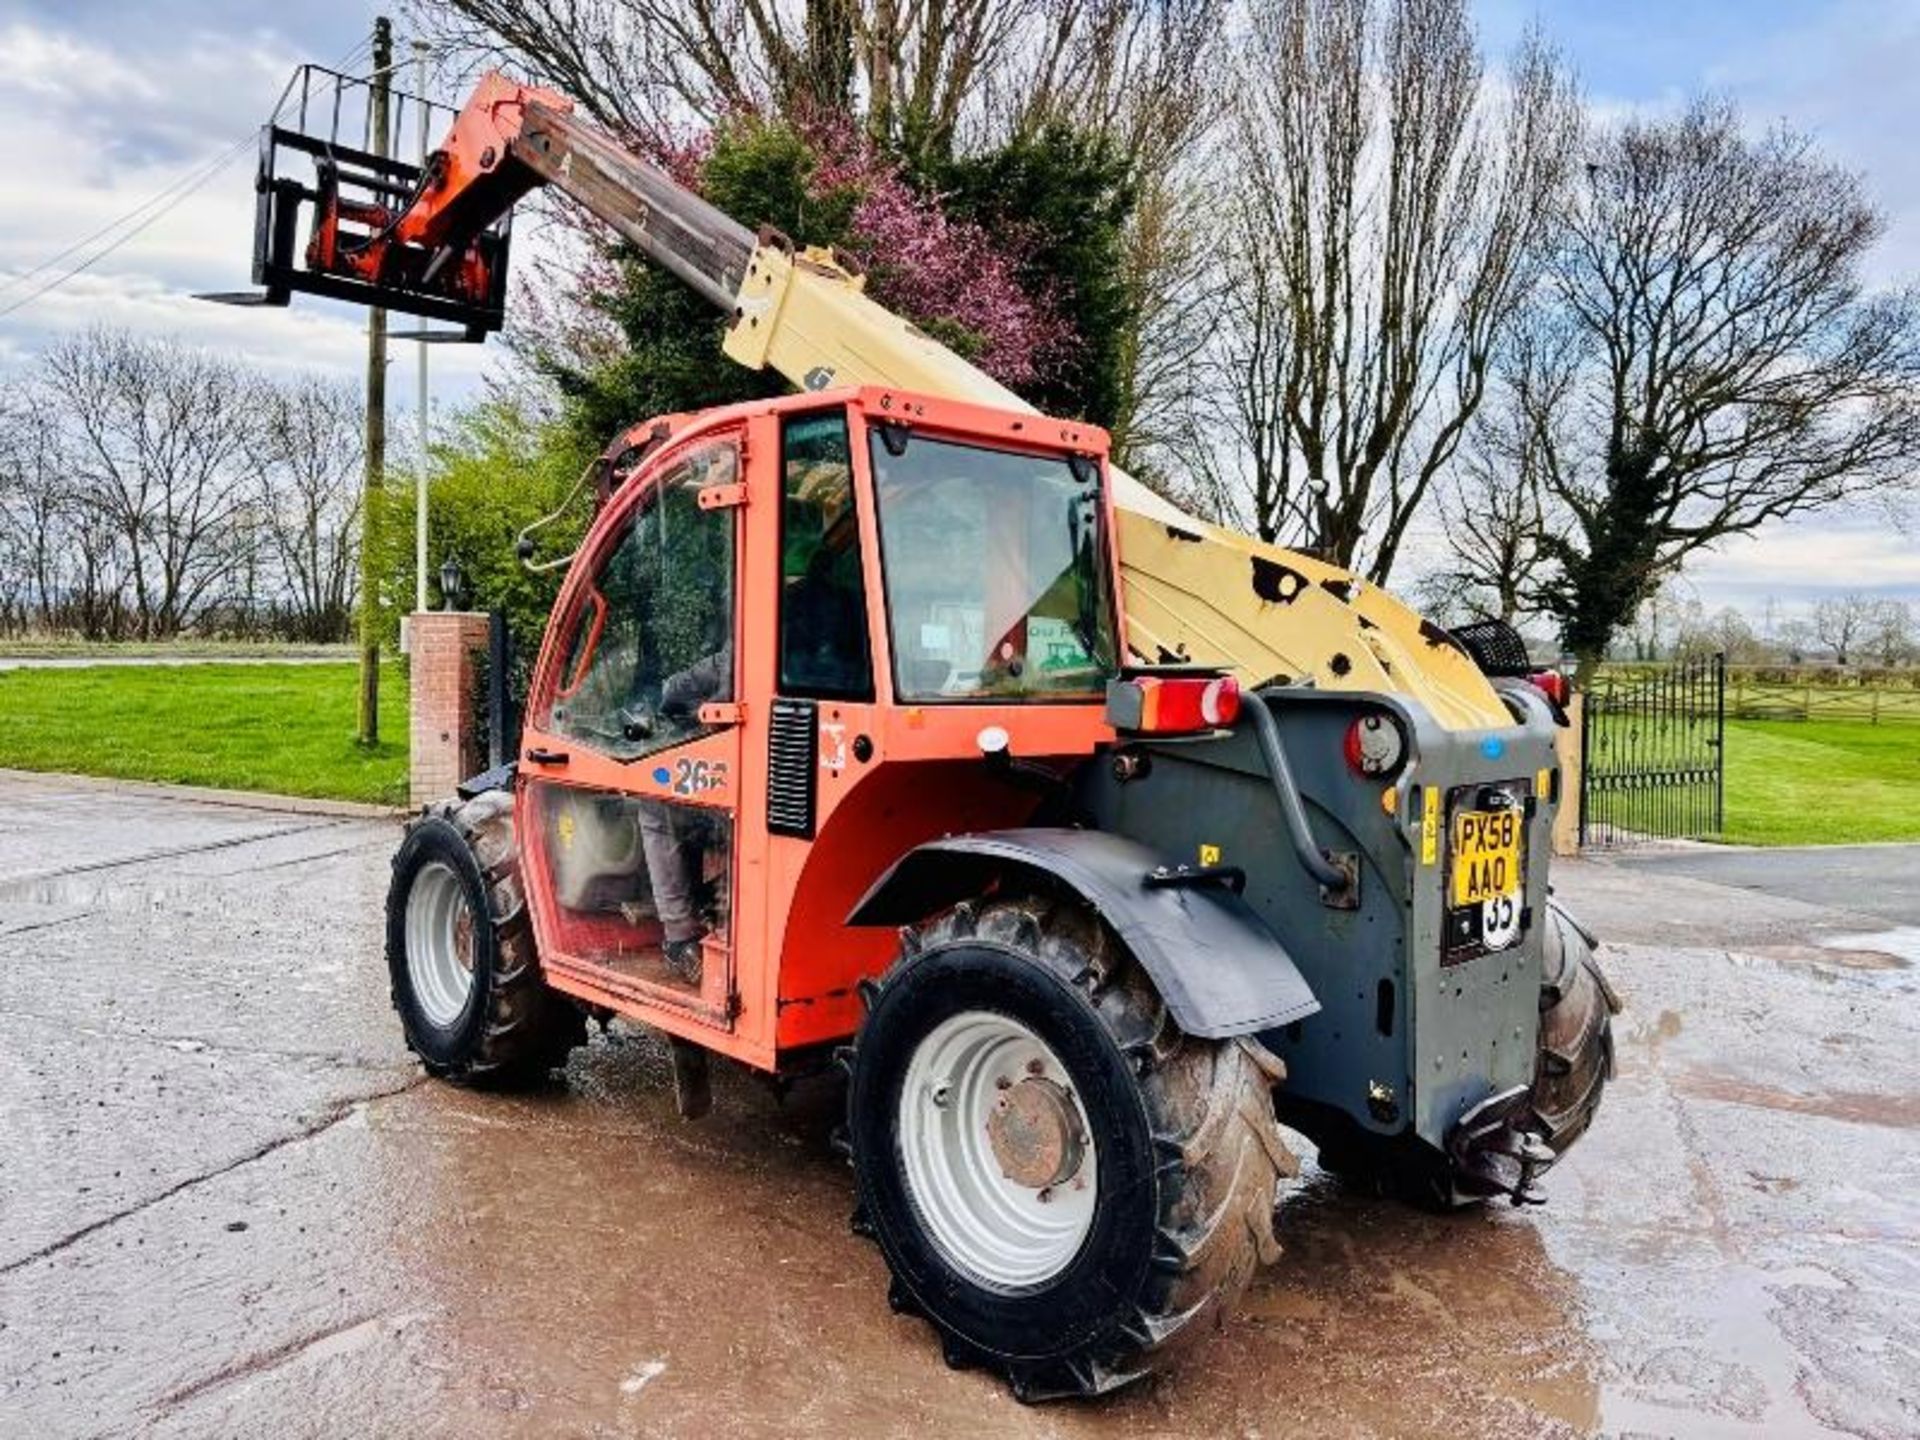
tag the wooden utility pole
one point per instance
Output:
(376, 423)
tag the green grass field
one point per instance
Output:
(282, 728)
(62, 647)
(1821, 782)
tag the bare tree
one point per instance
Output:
(923, 74)
(1660, 615)
(1489, 506)
(1394, 208)
(1724, 632)
(1841, 621)
(1168, 236)
(1145, 75)
(146, 489)
(1889, 637)
(1711, 361)
(1797, 638)
(68, 568)
(156, 438)
(306, 443)
(1235, 443)
(32, 552)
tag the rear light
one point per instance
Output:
(1174, 705)
(1220, 701)
(1552, 684)
(1375, 747)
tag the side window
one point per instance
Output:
(823, 598)
(653, 640)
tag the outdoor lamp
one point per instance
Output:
(453, 583)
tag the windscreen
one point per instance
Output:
(995, 571)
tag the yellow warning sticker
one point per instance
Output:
(1429, 825)
(1209, 854)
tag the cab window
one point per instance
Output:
(823, 598)
(653, 639)
(995, 572)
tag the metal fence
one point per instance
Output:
(1652, 749)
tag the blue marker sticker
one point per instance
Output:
(1493, 747)
(661, 775)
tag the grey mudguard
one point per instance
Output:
(1216, 963)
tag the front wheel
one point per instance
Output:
(1065, 1184)
(460, 952)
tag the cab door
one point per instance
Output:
(630, 760)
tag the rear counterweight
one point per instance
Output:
(1415, 1029)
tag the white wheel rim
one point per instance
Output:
(439, 943)
(1007, 1233)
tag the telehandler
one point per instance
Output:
(889, 724)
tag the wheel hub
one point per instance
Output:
(1035, 1134)
(440, 941)
(997, 1152)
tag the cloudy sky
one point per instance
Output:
(110, 102)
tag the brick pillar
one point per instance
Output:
(444, 647)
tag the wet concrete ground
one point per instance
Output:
(230, 1206)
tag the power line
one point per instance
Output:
(193, 183)
(190, 180)
(172, 196)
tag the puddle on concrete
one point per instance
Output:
(1883, 948)
(1831, 962)
(1893, 1109)
(1378, 1319)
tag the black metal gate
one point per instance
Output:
(1651, 753)
(506, 686)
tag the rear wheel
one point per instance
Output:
(1063, 1182)
(460, 952)
(1574, 1061)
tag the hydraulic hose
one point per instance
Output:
(1267, 730)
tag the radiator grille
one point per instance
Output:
(792, 737)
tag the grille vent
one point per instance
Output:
(792, 741)
(1496, 647)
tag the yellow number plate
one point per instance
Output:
(1486, 855)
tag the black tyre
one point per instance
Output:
(1574, 1061)
(460, 952)
(1063, 1182)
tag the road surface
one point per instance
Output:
(229, 1204)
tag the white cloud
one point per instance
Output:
(1801, 562)
(62, 68)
